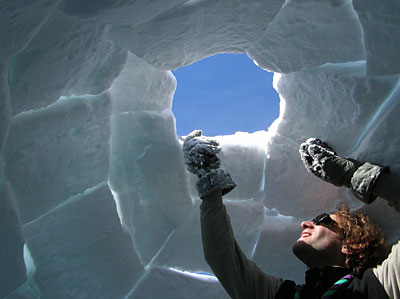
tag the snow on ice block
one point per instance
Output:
(5, 110)
(197, 29)
(148, 175)
(80, 250)
(173, 284)
(380, 21)
(243, 155)
(12, 266)
(307, 33)
(379, 145)
(385, 216)
(141, 87)
(20, 21)
(274, 249)
(57, 152)
(334, 102)
(118, 12)
(184, 249)
(66, 58)
(26, 291)
(380, 139)
(289, 188)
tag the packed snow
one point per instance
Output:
(95, 200)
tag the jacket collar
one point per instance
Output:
(323, 278)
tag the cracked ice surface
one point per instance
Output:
(95, 198)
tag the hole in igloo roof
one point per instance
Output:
(223, 94)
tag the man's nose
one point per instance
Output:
(307, 224)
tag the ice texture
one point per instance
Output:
(94, 195)
(58, 151)
(142, 87)
(278, 233)
(380, 21)
(20, 21)
(12, 266)
(78, 61)
(307, 33)
(248, 170)
(92, 249)
(118, 12)
(145, 153)
(340, 92)
(197, 29)
(173, 284)
(246, 218)
(5, 111)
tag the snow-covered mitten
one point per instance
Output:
(201, 159)
(320, 159)
(216, 179)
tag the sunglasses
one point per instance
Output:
(324, 218)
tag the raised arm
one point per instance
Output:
(367, 182)
(240, 277)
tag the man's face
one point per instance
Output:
(320, 243)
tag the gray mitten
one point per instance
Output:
(320, 159)
(201, 159)
(216, 179)
(200, 153)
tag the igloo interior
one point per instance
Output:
(95, 199)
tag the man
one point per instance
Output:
(341, 250)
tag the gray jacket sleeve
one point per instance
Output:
(240, 277)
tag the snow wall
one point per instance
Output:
(95, 198)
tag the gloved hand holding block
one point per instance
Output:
(200, 154)
(321, 160)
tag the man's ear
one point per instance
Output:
(345, 250)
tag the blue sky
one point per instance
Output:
(223, 94)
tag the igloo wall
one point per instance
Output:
(95, 198)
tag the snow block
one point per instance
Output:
(141, 87)
(66, 58)
(5, 110)
(380, 21)
(172, 284)
(57, 152)
(148, 175)
(308, 33)
(197, 29)
(67, 65)
(24, 292)
(335, 104)
(184, 249)
(80, 250)
(274, 249)
(12, 266)
(20, 21)
(289, 188)
(118, 12)
(243, 155)
(385, 216)
(379, 141)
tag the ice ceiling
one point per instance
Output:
(92, 176)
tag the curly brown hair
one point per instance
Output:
(365, 241)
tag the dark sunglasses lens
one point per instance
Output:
(323, 219)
